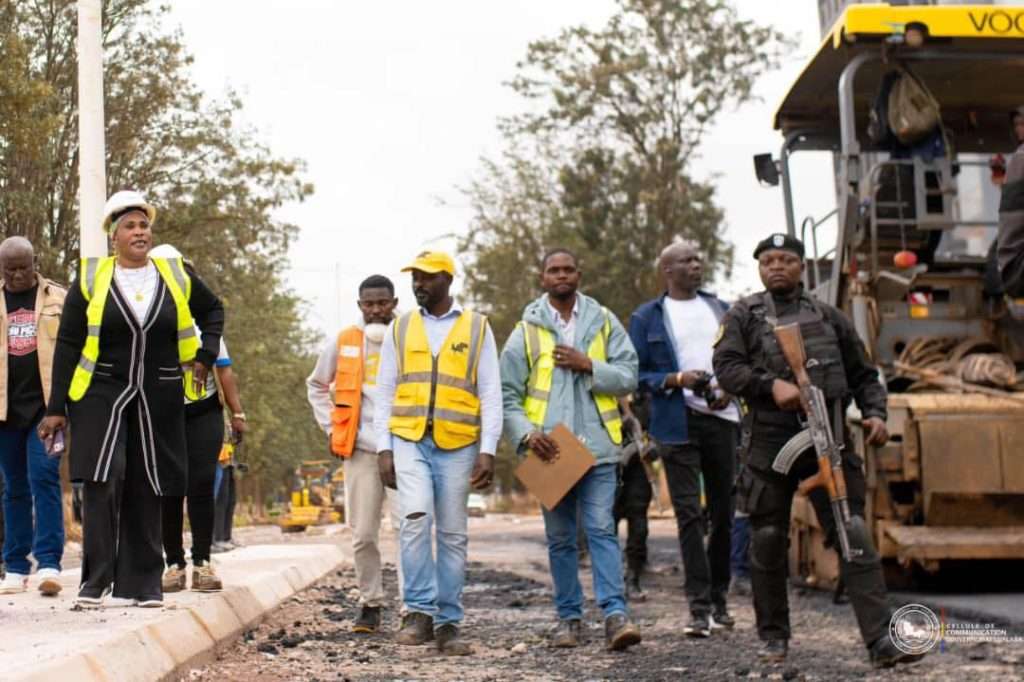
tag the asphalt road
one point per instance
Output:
(509, 615)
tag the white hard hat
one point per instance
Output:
(126, 199)
(165, 251)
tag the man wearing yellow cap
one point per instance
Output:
(437, 422)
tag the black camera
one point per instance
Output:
(704, 389)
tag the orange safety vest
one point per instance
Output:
(348, 392)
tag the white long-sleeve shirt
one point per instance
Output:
(321, 396)
(488, 380)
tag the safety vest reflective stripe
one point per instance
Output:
(442, 379)
(348, 391)
(440, 390)
(96, 276)
(448, 415)
(540, 347)
(180, 285)
(89, 268)
(537, 393)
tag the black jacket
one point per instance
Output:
(137, 384)
(741, 371)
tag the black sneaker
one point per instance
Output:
(368, 620)
(885, 654)
(566, 634)
(774, 650)
(90, 598)
(417, 628)
(721, 620)
(620, 632)
(698, 626)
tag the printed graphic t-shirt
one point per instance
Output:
(24, 386)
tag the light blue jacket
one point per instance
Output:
(571, 401)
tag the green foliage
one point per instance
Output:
(214, 185)
(599, 160)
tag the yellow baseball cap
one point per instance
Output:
(432, 262)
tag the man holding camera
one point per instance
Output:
(694, 423)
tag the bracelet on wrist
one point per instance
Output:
(238, 415)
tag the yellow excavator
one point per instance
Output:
(313, 500)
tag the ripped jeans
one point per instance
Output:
(433, 485)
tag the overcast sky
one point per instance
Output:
(392, 104)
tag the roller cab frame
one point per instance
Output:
(949, 486)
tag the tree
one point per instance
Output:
(214, 185)
(620, 114)
(599, 161)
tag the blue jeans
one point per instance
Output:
(433, 485)
(595, 493)
(32, 479)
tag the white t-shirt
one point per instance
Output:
(694, 327)
(138, 286)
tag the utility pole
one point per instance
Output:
(92, 173)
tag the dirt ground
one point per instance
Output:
(509, 614)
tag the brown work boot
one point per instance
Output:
(204, 579)
(417, 628)
(174, 579)
(448, 642)
(620, 632)
(567, 634)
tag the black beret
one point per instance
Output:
(780, 241)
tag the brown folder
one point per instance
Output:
(550, 481)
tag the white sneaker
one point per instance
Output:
(83, 602)
(14, 583)
(49, 581)
(149, 603)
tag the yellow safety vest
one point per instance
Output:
(441, 389)
(540, 356)
(96, 277)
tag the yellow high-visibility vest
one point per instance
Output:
(540, 356)
(96, 277)
(440, 389)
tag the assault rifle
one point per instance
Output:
(819, 434)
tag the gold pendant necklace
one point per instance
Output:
(139, 295)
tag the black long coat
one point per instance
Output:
(138, 378)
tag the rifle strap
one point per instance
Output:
(838, 434)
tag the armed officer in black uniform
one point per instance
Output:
(749, 363)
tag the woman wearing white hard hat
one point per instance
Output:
(127, 352)
(204, 436)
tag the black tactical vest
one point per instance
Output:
(821, 344)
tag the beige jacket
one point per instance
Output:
(49, 304)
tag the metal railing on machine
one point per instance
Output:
(809, 223)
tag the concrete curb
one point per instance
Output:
(190, 635)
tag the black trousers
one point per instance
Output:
(224, 507)
(711, 452)
(204, 434)
(121, 525)
(631, 502)
(768, 496)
